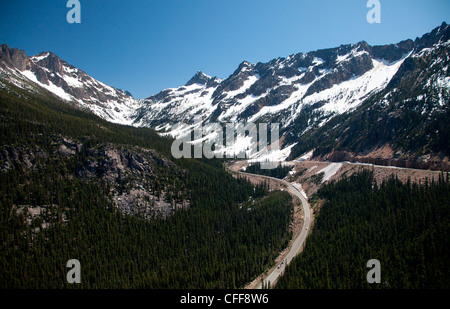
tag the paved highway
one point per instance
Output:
(298, 242)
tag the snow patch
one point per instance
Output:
(279, 155)
(306, 156)
(311, 169)
(299, 188)
(329, 171)
(39, 58)
(50, 87)
(73, 81)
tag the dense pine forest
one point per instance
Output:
(279, 172)
(230, 232)
(405, 226)
(218, 243)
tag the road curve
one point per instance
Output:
(298, 242)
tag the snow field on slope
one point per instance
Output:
(329, 171)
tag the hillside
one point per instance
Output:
(403, 125)
(403, 225)
(76, 186)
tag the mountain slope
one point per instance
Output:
(306, 93)
(405, 124)
(48, 71)
(334, 80)
(303, 92)
(74, 186)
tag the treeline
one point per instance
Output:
(405, 226)
(34, 119)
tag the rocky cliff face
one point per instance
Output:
(14, 58)
(134, 177)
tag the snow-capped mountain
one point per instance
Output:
(333, 81)
(405, 124)
(69, 83)
(302, 92)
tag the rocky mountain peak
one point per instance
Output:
(67, 82)
(14, 57)
(244, 66)
(199, 78)
(440, 34)
(50, 61)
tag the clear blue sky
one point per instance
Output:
(145, 46)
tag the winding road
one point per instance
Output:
(297, 243)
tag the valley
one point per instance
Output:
(88, 172)
(302, 184)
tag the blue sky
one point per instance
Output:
(145, 46)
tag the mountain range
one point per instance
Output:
(356, 102)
